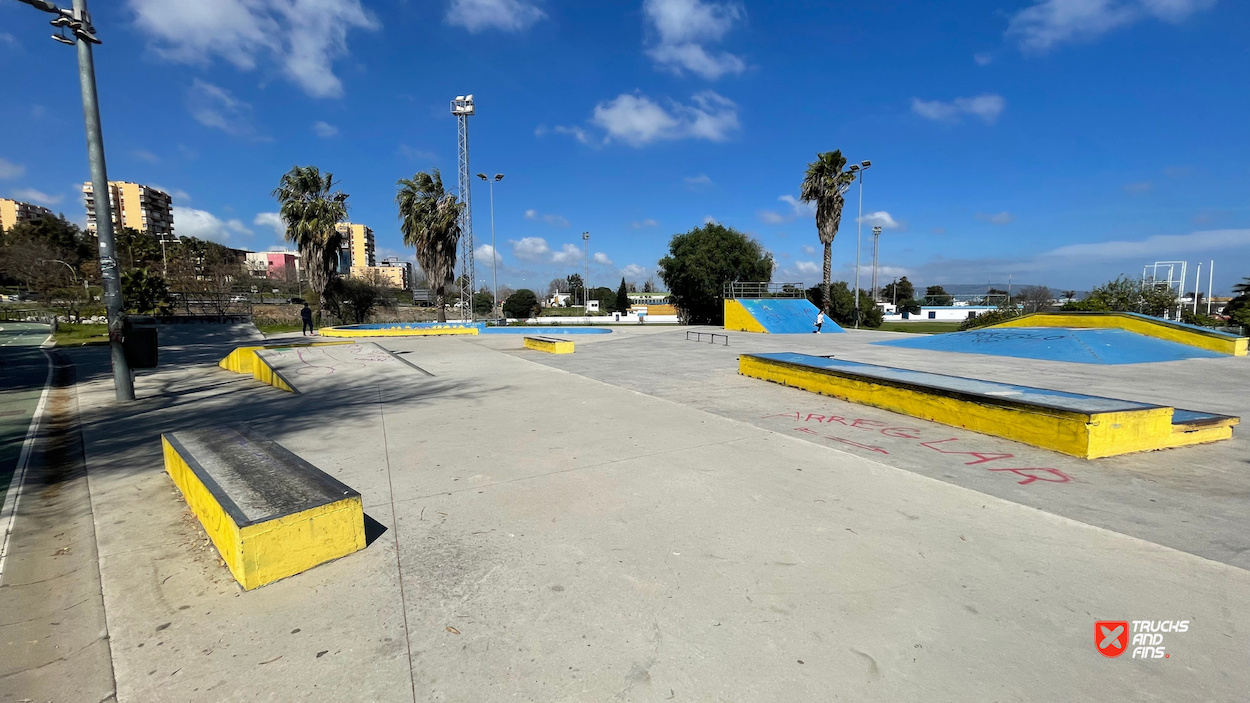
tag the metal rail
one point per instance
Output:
(698, 337)
(759, 289)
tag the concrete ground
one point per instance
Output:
(23, 373)
(636, 522)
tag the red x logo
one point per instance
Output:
(1111, 637)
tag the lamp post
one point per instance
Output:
(586, 280)
(494, 277)
(876, 249)
(78, 22)
(859, 169)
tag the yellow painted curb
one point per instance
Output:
(398, 332)
(1084, 435)
(550, 345)
(246, 360)
(737, 318)
(275, 547)
(1140, 324)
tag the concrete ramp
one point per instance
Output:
(1168, 330)
(774, 316)
(1081, 346)
(337, 367)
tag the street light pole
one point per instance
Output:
(586, 280)
(78, 21)
(859, 229)
(876, 249)
(494, 256)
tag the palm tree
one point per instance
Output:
(310, 208)
(429, 218)
(1242, 288)
(824, 184)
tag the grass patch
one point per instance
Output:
(268, 328)
(68, 335)
(920, 327)
(562, 312)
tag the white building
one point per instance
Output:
(935, 313)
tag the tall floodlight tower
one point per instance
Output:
(462, 108)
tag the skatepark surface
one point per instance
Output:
(637, 522)
(1081, 346)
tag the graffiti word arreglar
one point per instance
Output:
(942, 446)
(995, 337)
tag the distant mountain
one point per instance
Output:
(978, 288)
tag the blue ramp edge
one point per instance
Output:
(1080, 346)
(787, 315)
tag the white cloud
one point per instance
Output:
(568, 254)
(201, 224)
(486, 253)
(324, 129)
(1157, 247)
(683, 27)
(1049, 22)
(553, 220)
(145, 155)
(215, 107)
(633, 271)
(637, 120)
(798, 208)
(577, 133)
(414, 154)
(809, 250)
(504, 15)
(709, 220)
(600, 258)
(6, 38)
(644, 224)
(30, 195)
(272, 221)
(1137, 188)
(531, 249)
(984, 58)
(881, 219)
(699, 182)
(10, 170)
(303, 37)
(986, 107)
(807, 268)
(1001, 218)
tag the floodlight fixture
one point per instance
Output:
(865, 164)
(499, 176)
(853, 168)
(482, 176)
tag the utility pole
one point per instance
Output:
(876, 249)
(859, 224)
(78, 21)
(494, 257)
(586, 280)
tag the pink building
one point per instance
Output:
(276, 265)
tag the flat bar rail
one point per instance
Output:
(758, 289)
(698, 337)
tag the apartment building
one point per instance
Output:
(394, 275)
(274, 265)
(16, 212)
(357, 247)
(136, 206)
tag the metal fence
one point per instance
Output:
(758, 289)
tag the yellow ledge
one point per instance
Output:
(1140, 324)
(1088, 436)
(398, 332)
(737, 318)
(258, 553)
(549, 345)
(246, 360)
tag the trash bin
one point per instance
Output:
(139, 341)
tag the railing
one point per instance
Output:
(698, 337)
(759, 289)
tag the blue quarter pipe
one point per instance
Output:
(787, 315)
(1081, 346)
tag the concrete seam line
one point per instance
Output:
(399, 566)
(8, 512)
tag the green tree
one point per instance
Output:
(311, 207)
(143, 292)
(483, 303)
(899, 290)
(622, 297)
(606, 297)
(1238, 309)
(522, 304)
(357, 298)
(911, 306)
(937, 295)
(430, 221)
(842, 305)
(702, 260)
(1126, 294)
(576, 288)
(824, 184)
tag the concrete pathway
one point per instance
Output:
(549, 536)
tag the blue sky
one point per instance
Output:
(1061, 142)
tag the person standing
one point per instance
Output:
(306, 315)
(820, 320)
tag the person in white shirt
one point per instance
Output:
(820, 320)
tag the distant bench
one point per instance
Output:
(552, 345)
(269, 513)
(1085, 426)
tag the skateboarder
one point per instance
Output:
(820, 320)
(306, 315)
